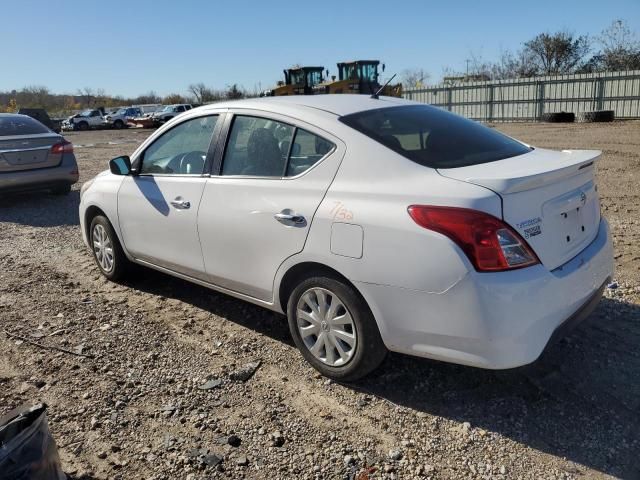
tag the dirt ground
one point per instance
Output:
(135, 410)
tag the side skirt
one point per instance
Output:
(241, 296)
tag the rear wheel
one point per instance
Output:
(106, 249)
(334, 329)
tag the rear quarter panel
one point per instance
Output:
(373, 188)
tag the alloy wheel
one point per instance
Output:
(102, 247)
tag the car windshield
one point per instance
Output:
(122, 111)
(347, 71)
(19, 125)
(86, 113)
(168, 108)
(314, 77)
(434, 137)
(369, 72)
(297, 77)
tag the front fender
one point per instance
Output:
(102, 194)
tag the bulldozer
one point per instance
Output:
(358, 76)
(297, 81)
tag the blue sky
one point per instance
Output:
(131, 47)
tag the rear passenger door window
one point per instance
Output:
(262, 147)
(257, 147)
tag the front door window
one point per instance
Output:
(182, 150)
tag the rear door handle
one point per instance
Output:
(181, 204)
(287, 218)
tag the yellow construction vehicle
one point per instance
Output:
(358, 76)
(297, 81)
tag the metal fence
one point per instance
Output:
(526, 99)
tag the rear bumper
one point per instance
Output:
(41, 178)
(494, 320)
(565, 328)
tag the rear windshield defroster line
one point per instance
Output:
(434, 137)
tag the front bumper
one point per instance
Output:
(494, 320)
(42, 178)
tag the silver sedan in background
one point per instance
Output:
(33, 157)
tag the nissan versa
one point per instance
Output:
(374, 224)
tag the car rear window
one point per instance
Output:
(434, 137)
(19, 125)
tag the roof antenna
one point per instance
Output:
(375, 95)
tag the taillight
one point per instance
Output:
(489, 243)
(62, 147)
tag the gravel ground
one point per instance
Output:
(182, 382)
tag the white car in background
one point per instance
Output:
(120, 118)
(167, 112)
(374, 224)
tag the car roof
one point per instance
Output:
(19, 115)
(336, 104)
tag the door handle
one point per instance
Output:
(287, 218)
(181, 204)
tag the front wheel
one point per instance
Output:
(118, 124)
(334, 328)
(106, 249)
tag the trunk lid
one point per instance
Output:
(27, 152)
(548, 197)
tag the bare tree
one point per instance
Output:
(173, 98)
(620, 48)
(101, 97)
(414, 77)
(33, 96)
(233, 92)
(556, 53)
(450, 76)
(149, 97)
(513, 65)
(202, 93)
(87, 94)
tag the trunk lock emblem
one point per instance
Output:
(583, 198)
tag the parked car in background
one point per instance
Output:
(42, 116)
(33, 157)
(375, 224)
(120, 118)
(169, 111)
(89, 118)
(125, 116)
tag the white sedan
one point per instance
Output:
(373, 224)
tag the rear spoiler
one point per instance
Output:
(526, 172)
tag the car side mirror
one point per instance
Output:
(120, 165)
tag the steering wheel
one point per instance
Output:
(191, 163)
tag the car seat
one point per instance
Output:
(264, 157)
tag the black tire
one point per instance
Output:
(64, 190)
(120, 261)
(369, 351)
(596, 116)
(118, 124)
(83, 126)
(558, 117)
